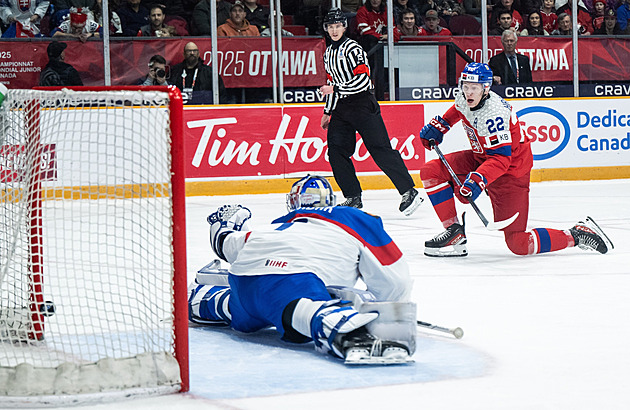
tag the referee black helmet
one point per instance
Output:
(335, 15)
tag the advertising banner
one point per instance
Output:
(273, 140)
(243, 62)
(247, 62)
(566, 133)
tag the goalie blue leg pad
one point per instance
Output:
(209, 305)
(259, 301)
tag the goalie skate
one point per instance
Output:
(361, 348)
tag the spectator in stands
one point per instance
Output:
(309, 14)
(132, 16)
(57, 72)
(448, 8)
(157, 71)
(565, 26)
(22, 18)
(549, 16)
(371, 24)
(256, 14)
(193, 75)
(505, 23)
(77, 4)
(237, 24)
(623, 16)
(404, 5)
(169, 7)
(585, 23)
(115, 26)
(534, 25)
(156, 27)
(350, 8)
(188, 6)
(60, 8)
(473, 8)
(432, 26)
(517, 19)
(408, 26)
(509, 67)
(527, 6)
(267, 32)
(610, 26)
(200, 23)
(78, 24)
(598, 14)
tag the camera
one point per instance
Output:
(160, 73)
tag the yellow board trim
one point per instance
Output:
(283, 185)
(267, 186)
(125, 191)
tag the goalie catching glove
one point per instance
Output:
(434, 131)
(474, 184)
(225, 220)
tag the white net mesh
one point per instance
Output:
(86, 259)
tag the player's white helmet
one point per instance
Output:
(311, 191)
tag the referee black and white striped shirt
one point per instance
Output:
(347, 69)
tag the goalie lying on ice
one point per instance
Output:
(279, 277)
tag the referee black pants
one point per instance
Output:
(361, 113)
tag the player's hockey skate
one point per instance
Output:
(362, 348)
(353, 202)
(410, 202)
(589, 236)
(451, 242)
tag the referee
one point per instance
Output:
(350, 108)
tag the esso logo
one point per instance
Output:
(546, 128)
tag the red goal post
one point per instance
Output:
(93, 250)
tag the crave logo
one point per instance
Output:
(546, 128)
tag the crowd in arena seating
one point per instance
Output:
(82, 19)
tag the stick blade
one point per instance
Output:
(497, 226)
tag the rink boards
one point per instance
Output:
(263, 148)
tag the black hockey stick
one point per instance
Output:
(457, 332)
(493, 226)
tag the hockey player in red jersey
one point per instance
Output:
(499, 161)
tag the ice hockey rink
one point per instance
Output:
(541, 332)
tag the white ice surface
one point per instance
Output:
(541, 332)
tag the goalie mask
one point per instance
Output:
(310, 191)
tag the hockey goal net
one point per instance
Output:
(92, 245)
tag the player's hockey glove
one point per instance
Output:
(225, 220)
(474, 184)
(435, 131)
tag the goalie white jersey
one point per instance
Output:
(343, 244)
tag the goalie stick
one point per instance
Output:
(457, 332)
(493, 226)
